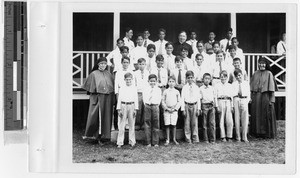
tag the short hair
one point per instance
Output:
(182, 31)
(231, 47)
(162, 30)
(236, 59)
(237, 71)
(127, 29)
(152, 76)
(168, 44)
(124, 48)
(229, 29)
(127, 75)
(224, 72)
(184, 48)
(146, 30)
(206, 74)
(140, 60)
(151, 46)
(172, 77)
(200, 41)
(216, 42)
(123, 58)
(189, 73)
(197, 55)
(234, 38)
(120, 39)
(178, 58)
(159, 57)
(140, 35)
(220, 51)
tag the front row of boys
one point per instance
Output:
(144, 103)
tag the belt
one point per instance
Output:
(240, 96)
(162, 86)
(127, 103)
(190, 103)
(216, 77)
(224, 98)
(207, 103)
(151, 104)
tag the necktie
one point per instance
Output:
(158, 75)
(160, 48)
(145, 44)
(220, 66)
(240, 90)
(142, 75)
(179, 76)
(227, 45)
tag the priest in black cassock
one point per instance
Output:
(182, 43)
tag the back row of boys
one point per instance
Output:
(181, 73)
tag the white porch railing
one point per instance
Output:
(83, 62)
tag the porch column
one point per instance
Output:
(233, 23)
(116, 28)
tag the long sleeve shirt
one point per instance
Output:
(128, 43)
(128, 94)
(245, 89)
(199, 71)
(169, 62)
(233, 79)
(120, 80)
(216, 68)
(190, 94)
(189, 64)
(152, 95)
(162, 79)
(224, 90)
(223, 44)
(141, 79)
(175, 72)
(138, 52)
(208, 95)
(281, 47)
(160, 47)
(171, 99)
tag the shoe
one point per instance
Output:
(212, 142)
(229, 140)
(149, 145)
(206, 141)
(176, 143)
(238, 140)
(119, 146)
(167, 143)
(156, 145)
(132, 145)
(223, 140)
(246, 141)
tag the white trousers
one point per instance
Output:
(225, 118)
(241, 117)
(127, 111)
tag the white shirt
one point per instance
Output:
(160, 45)
(128, 94)
(138, 52)
(148, 42)
(141, 79)
(216, 68)
(150, 62)
(128, 43)
(169, 62)
(113, 55)
(190, 94)
(223, 44)
(163, 75)
(193, 43)
(206, 58)
(281, 47)
(175, 72)
(120, 80)
(233, 79)
(171, 98)
(152, 95)
(224, 90)
(200, 70)
(188, 63)
(239, 54)
(245, 88)
(208, 94)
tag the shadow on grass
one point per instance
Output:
(260, 151)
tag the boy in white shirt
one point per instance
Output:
(224, 43)
(147, 41)
(160, 72)
(152, 100)
(239, 51)
(188, 63)
(200, 50)
(169, 58)
(139, 51)
(127, 107)
(225, 109)
(114, 57)
(161, 42)
(219, 66)
(179, 73)
(237, 64)
(193, 41)
(241, 98)
(171, 104)
(191, 108)
(141, 80)
(127, 38)
(200, 70)
(211, 40)
(150, 59)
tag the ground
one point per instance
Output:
(260, 151)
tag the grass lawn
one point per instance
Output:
(261, 151)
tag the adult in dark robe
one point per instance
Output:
(182, 43)
(263, 87)
(100, 86)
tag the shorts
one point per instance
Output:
(170, 118)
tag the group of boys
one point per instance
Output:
(153, 85)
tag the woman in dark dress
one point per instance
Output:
(100, 86)
(263, 87)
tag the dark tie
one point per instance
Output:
(179, 76)
(227, 46)
(158, 75)
(145, 44)
(240, 90)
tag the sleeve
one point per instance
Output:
(215, 97)
(248, 91)
(163, 100)
(109, 57)
(231, 94)
(119, 100)
(136, 99)
(279, 48)
(198, 100)
(90, 84)
(117, 82)
(182, 98)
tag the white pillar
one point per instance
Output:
(233, 23)
(116, 28)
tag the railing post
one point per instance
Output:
(116, 28)
(233, 23)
